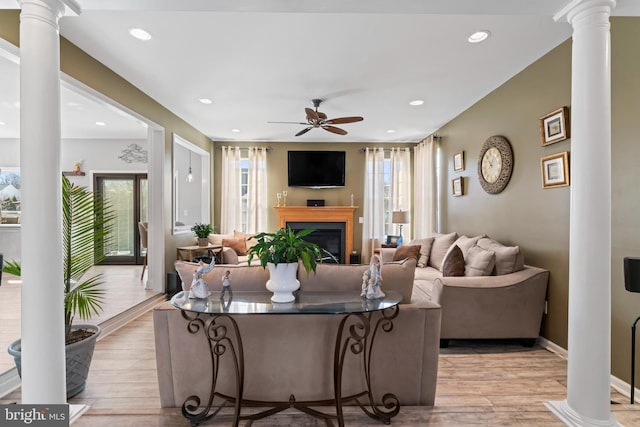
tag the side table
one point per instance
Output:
(212, 250)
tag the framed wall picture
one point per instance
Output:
(555, 170)
(555, 126)
(456, 186)
(458, 161)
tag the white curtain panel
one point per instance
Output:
(373, 224)
(257, 191)
(231, 200)
(425, 203)
(401, 185)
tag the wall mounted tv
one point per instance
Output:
(316, 169)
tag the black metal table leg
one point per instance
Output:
(220, 331)
(633, 359)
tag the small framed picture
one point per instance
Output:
(393, 240)
(458, 161)
(456, 186)
(554, 127)
(555, 170)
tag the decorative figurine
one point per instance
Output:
(77, 169)
(372, 279)
(199, 288)
(226, 285)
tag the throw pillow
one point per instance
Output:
(406, 252)
(245, 236)
(425, 250)
(507, 257)
(238, 245)
(479, 262)
(453, 263)
(441, 245)
(464, 243)
(216, 239)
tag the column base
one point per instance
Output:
(563, 411)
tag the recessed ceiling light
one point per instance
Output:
(479, 36)
(140, 34)
(416, 102)
(205, 100)
(235, 130)
(101, 123)
(391, 131)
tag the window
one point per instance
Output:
(388, 226)
(244, 189)
(10, 196)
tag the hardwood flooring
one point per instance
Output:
(490, 383)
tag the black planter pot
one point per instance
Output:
(78, 357)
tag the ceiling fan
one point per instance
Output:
(318, 119)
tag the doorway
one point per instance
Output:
(128, 194)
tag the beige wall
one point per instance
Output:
(277, 179)
(77, 64)
(537, 219)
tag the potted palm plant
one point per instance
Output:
(202, 231)
(281, 251)
(87, 222)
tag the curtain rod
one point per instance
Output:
(363, 149)
(268, 148)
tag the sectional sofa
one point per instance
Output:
(289, 355)
(484, 287)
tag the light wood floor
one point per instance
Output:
(479, 383)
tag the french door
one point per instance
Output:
(128, 196)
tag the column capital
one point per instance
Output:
(576, 7)
(50, 9)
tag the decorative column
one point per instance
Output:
(43, 352)
(589, 364)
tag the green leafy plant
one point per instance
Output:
(87, 223)
(202, 230)
(285, 246)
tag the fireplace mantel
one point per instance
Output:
(320, 214)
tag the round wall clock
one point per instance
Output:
(495, 164)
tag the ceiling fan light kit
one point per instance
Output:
(318, 119)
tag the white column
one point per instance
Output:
(43, 353)
(589, 364)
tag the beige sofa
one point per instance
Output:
(293, 354)
(498, 296)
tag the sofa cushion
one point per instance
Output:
(479, 262)
(216, 239)
(238, 245)
(465, 242)
(453, 263)
(507, 257)
(425, 250)
(441, 244)
(406, 251)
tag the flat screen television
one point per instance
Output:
(316, 169)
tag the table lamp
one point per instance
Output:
(400, 217)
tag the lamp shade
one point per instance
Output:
(400, 217)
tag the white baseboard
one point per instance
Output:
(621, 387)
(9, 381)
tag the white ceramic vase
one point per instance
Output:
(282, 281)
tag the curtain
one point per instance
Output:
(373, 201)
(400, 197)
(243, 212)
(425, 197)
(257, 191)
(231, 200)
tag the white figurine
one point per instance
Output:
(226, 285)
(199, 288)
(372, 279)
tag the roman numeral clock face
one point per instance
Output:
(495, 164)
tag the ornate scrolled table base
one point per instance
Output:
(356, 336)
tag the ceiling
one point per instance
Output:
(264, 60)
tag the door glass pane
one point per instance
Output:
(144, 197)
(119, 192)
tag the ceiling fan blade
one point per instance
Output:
(292, 123)
(311, 115)
(334, 129)
(323, 116)
(341, 120)
(303, 131)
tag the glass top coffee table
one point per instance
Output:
(214, 314)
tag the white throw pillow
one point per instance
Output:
(441, 245)
(479, 262)
(508, 258)
(425, 250)
(465, 242)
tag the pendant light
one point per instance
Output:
(189, 175)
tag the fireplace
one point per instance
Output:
(330, 236)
